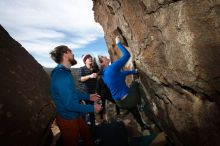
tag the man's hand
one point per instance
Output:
(93, 75)
(82, 102)
(94, 97)
(117, 39)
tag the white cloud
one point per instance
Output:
(43, 24)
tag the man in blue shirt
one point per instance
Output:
(114, 77)
(67, 100)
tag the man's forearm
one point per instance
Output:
(123, 50)
(84, 78)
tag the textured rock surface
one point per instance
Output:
(25, 107)
(176, 46)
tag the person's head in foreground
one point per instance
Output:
(63, 55)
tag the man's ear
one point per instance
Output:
(64, 55)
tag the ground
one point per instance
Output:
(132, 126)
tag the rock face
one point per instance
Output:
(176, 47)
(26, 110)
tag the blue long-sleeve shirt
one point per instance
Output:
(66, 96)
(114, 77)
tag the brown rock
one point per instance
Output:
(176, 46)
(26, 110)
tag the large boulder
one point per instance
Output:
(176, 47)
(26, 110)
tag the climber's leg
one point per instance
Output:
(132, 99)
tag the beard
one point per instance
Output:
(72, 61)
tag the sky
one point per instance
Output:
(41, 25)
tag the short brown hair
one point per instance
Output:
(99, 58)
(57, 53)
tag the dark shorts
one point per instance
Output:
(133, 97)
